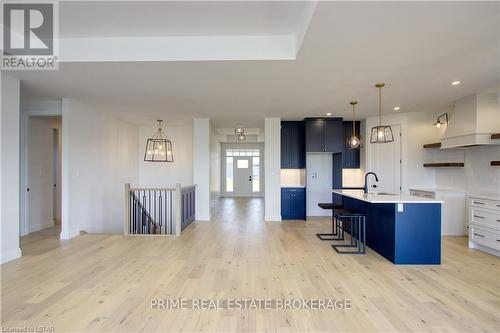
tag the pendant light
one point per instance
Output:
(354, 141)
(381, 133)
(159, 147)
(240, 133)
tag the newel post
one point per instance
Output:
(126, 209)
(178, 209)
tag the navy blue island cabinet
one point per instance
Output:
(293, 203)
(293, 153)
(350, 157)
(324, 135)
(403, 229)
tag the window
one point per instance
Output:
(242, 164)
(229, 174)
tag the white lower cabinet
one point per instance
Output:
(484, 224)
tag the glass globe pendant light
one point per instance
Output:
(159, 147)
(354, 141)
(381, 133)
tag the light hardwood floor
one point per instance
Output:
(106, 282)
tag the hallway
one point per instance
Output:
(106, 282)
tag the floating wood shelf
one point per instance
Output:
(433, 145)
(495, 136)
(443, 165)
(495, 163)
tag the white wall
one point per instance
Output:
(478, 176)
(215, 163)
(319, 183)
(9, 167)
(201, 167)
(416, 130)
(167, 174)
(272, 167)
(101, 153)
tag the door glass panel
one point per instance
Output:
(229, 174)
(255, 174)
(242, 164)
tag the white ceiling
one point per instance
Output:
(178, 18)
(416, 48)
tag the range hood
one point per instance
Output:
(472, 122)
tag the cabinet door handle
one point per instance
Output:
(479, 216)
(478, 235)
(498, 240)
(498, 220)
(478, 203)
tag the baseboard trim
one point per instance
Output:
(272, 218)
(38, 227)
(11, 255)
(488, 250)
(68, 235)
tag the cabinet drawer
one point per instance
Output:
(485, 217)
(483, 203)
(485, 236)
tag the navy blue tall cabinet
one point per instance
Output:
(293, 153)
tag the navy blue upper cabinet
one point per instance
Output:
(293, 154)
(314, 135)
(324, 135)
(350, 157)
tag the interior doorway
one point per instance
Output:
(42, 193)
(242, 169)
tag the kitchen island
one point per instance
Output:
(404, 229)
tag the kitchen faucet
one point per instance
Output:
(365, 189)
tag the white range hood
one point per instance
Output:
(472, 122)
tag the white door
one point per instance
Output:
(386, 163)
(242, 171)
(39, 214)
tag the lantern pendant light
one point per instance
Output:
(159, 147)
(354, 141)
(381, 133)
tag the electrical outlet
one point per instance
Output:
(400, 207)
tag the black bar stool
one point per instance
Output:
(336, 227)
(357, 230)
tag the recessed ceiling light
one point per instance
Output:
(328, 113)
(397, 108)
(455, 83)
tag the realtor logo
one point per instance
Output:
(29, 35)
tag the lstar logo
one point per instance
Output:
(29, 35)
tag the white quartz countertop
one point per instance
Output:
(487, 196)
(384, 198)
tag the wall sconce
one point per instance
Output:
(441, 120)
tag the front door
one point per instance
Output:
(242, 171)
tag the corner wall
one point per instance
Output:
(9, 167)
(100, 157)
(272, 167)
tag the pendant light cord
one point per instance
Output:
(353, 123)
(380, 105)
